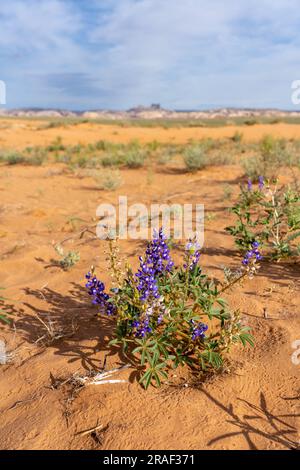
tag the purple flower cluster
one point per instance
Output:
(142, 327)
(261, 183)
(192, 250)
(253, 254)
(96, 290)
(156, 262)
(198, 330)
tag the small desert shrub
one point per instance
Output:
(75, 149)
(195, 157)
(153, 146)
(254, 166)
(12, 158)
(37, 156)
(106, 146)
(167, 153)
(272, 155)
(67, 260)
(270, 215)
(56, 145)
(112, 159)
(220, 158)
(135, 158)
(273, 149)
(109, 180)
(52, 125)
(169, 316)
(62, 158)
(250, 122)
(82, 162)
(237, 137)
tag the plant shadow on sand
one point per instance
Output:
(78, 322)
(273, 428)
(257, 422)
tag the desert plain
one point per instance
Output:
(252, 404)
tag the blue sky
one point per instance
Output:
(116, 54)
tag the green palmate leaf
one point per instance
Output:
(146, 378)
(221, 302)
(246, 338)
(114, 342)
(213, 358)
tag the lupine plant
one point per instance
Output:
(269, 214)
(168, 315)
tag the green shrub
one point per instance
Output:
(272, 155)
(269, 215)
(12, 158)
(237, 137)
(111, 159)
(195, 157)
(67, 260)
(109, 180)
(135, 158)
(56, 145)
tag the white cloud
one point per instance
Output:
(118, 53)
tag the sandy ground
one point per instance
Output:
(18, 133)
(253, 406)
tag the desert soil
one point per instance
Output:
(254, 405)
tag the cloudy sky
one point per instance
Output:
(191, 54)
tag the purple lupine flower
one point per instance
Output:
(261, 182)
(142, 327)
(249, 184)
(96, 289)
(198, 330)
(156, 262)
(253, 254)
(158, 253)
(192, 250)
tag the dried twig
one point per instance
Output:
(89, 431)
(54, 332)
(102, 377)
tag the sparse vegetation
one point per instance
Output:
(195, 157)
(135, 158)
(12, 158)
(270, 215)
(67, 260)
(109, 180)
(170, 315)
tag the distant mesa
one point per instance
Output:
(154, 111)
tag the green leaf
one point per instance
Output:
(247, 338)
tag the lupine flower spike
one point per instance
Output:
(261, 182)
(192, 251)
(96, 290)
(251, 258)
(198, 330)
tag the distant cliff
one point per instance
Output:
(152, 112)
